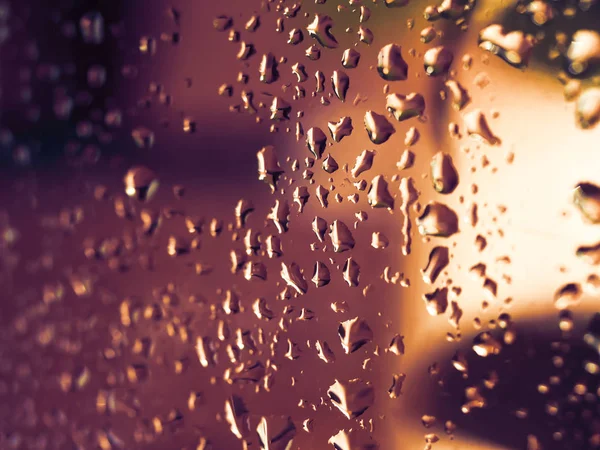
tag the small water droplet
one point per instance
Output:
(141, 183)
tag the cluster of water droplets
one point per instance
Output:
(246, 353)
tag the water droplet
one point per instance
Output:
(313, 53)
(351, 272)
(330, 165)
(295, 37)
(407, 160)
(484, 344)
(300, 71)
(568, 296)
(460, 96)
(588, 108)
(437, 219)
(395, 389)
(246, 51)
(243, 208)
(443, 173)
(321, 276)
(261, 309)
(428, 34)
(352, 398)
(477, 127)
(268, 69)
(222, 23)
(437, 61)
(323, 195)
(141, 183)
(514, 47)
(276, 433)
(586, 197)
(91, 26)
(316, 141)
(143, 137)
(583, 50)
(473, 399)
(340, 129)
(301, 196)
(253, 23)
(379, 196)
(378, 127)
(379, 240)
(365, 14)
(390, 64)
(354, 333)
(404, 107)
(269, 169)
(294, 278)
(353, 440)
(341, 237)
(409, 195)
(341, 83)
(363, 163)
(350, 58)
(319, 227)
(436, 302)
(320, 30)
(236, 415)
(280, 215)
(365, 35)
(437, 262)
(590, 254)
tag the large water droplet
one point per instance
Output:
(316, 140)
(350, 58)
(341, 83)
(568, 296)
(352, 398)
(390, 64)
(379, 196)
(269, 169)
(437, 61)
(583, 50)
(378, 127)
(443, 173)
(586, 196)
(341, 128)
(514, 47)
(354, 333)
(477, 127)
(404, 107)
(341, 237)
(437, 219)
(268, 69)
(438, 260)
(320, 29)
(587, 109)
